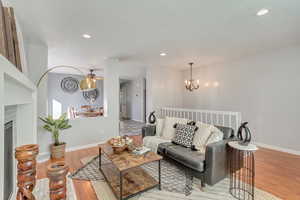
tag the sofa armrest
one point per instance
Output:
(216, 167)
(149, 130)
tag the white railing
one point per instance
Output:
(221, 118)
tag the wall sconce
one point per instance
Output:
(216, 84)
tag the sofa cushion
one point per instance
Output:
(163, 146)
(184, 135)
(168, 132)
(201, 135)
(186, 156)
(152, 142)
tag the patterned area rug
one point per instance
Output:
(217, 192)
(130, 127)
(173, 177)
(41, 190)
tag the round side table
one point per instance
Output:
(241, 170)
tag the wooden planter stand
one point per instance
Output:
(57, 180)
(26, 157)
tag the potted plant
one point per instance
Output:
(54, 126)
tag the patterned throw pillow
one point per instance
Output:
(184, 135)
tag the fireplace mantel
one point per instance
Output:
(17, 90)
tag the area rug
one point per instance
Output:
(41, 190)
(217, 192)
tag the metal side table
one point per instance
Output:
(241, 170)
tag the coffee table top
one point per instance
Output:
(126, 160)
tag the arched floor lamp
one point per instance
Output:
(86, 84)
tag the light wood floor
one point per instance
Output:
(276, 172)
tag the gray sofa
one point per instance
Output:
(210, 167)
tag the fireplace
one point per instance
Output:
(9, 160)
(18, 122)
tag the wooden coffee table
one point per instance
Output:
(124, 173)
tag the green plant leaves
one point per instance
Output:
(48, 128)
(54, 125)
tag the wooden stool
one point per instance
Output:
(56, 173)
(26, 157)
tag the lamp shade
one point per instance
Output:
(88, 83)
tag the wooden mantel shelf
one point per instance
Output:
(8, 69)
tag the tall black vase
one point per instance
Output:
(152, 118)
(245, 139)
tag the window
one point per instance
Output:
(56, 109)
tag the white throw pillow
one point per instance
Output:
(159, 126)
(202, 134)
(215, 136)
(152, 142)
(168, 132)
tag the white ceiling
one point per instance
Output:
(136, 31)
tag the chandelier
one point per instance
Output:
(191, 85)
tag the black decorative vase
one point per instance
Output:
(152, 118)
(245, 138)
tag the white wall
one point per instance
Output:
(66, 99)
(37, 58)
(164, 88)
(265, 88)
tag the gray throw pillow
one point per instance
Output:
(184, 135)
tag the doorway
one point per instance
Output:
(132, 100)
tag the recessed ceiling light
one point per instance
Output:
(162, 54)
(86, 36)
(262, 12)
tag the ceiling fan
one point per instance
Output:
(92, 73)
(90, 80)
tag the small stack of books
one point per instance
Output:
(141, 151)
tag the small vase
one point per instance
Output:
(26, 157)
(58, 151)
(56, 173)
(152, 118)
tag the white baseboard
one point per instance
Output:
(291, 151)
(42, 157)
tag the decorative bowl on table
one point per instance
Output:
(118, 144)
(119, 149)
